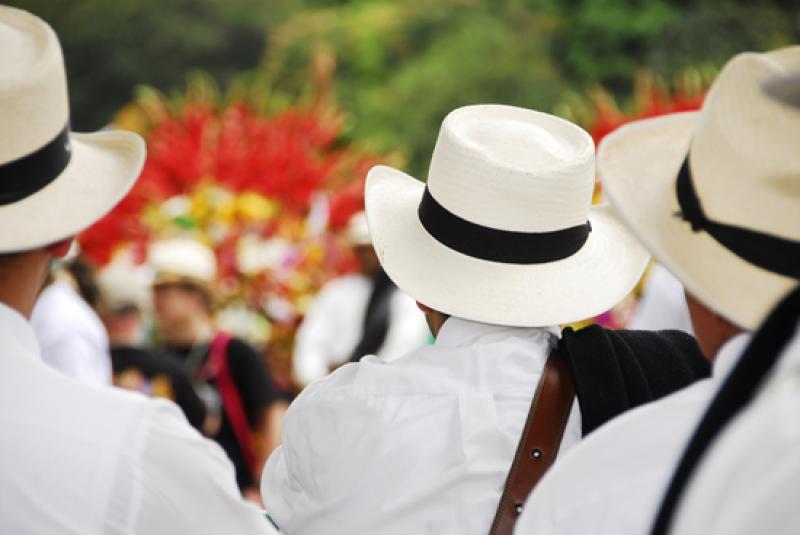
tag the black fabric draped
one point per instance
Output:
(615, 371)
(376, 317)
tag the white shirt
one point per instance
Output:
(613, 482)
(334, 324)
(663, 304)
(78, 459)
(419, 445)
(71, 337)
(749, 480)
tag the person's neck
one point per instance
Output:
(22, 279)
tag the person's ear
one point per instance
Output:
(425, 309)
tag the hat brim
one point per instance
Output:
(103, 168)
(583, 285)
(638, 165)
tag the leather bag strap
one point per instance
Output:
(539, 443)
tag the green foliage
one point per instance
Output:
(399, 66)
(111, 46)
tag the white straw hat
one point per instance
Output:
(743, 170)
(182, 260)
(504, 233)
(358, 230)
(53, 183)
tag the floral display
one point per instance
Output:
(269, 193)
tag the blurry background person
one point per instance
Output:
(70, 334)
(124, 297)
(228, 375)
(663, 303)
(357, 315)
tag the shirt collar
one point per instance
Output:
(14, 328)
(728, 355)
(460, 332)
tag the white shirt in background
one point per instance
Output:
(78, 459)
(663, 304)
(334, 325)
(749, 480)
(419, 445)
(612, 483)
(72, 338)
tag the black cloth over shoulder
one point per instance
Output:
(615, 371)
(734, 395)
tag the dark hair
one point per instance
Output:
(85, 277)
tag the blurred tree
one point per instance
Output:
(606, 41)
(401, 66)
(111, 46)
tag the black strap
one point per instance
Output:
(736, 392)
(25, 176)
(766, 251)
(494, 245)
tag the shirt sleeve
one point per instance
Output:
(79, 358)
(186, 483)
(319, 340)
(252, 378)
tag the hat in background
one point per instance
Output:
(714, 194)
(53, 182)
(504, 232)
(125, 285)
(182, 261)
(358, 230)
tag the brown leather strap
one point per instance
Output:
(539, 443)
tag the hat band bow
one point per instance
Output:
(766, 251)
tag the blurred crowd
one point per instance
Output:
(453, 383)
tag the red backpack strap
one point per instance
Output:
(231, 400)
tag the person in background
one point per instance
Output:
(124, 290)
(663, 303)
(77, 459)
(71, 336)
(228, 375)
(710, 194)
(357, 315)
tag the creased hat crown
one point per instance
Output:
(744, 154)
(513, 169)
(34, 105)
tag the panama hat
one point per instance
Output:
(504, 231)
(715, 194)
(358, 230)
(53, 182)
(182, 261)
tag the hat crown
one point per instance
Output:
(513, 169)
(34, 105)
(744, 156)
(183, 258)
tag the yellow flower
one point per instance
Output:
(252, 207)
